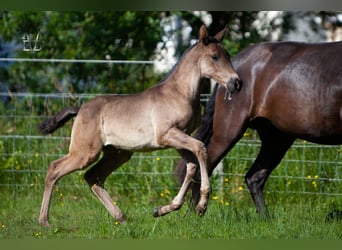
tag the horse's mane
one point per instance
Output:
(176, 65)
(205, 130)
(209, 40)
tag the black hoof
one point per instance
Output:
(156, 213)
(201, 211)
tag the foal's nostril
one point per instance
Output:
(237, 84)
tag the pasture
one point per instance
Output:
(303, 189)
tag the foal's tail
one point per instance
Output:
(53, 123)
(204, 133)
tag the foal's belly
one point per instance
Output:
(132, 140)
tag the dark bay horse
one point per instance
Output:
(290, 90)
(157, 118)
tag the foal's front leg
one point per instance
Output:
(178, 139)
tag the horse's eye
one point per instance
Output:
(214, 57)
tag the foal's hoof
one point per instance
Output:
(156, 213)
(201, 210)
(44, 224)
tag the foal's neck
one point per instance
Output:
(186, 77)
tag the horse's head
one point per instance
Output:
(215, 61)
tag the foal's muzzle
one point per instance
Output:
(234, 84)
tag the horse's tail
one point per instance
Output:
(53, 123)
(204, 133)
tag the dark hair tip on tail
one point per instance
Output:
(53, 123)
(47, 127)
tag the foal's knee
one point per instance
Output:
(201, 151)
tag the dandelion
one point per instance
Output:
(158, 158)
(240, 188)
(226, 180)
(245, 134)
(226, 203)
(116, 223)
(165, 193)
(215, 197)
(38, 234)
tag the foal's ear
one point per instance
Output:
(203, 35)
(219, 36)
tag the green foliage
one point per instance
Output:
(83, 35)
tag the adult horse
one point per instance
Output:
(158, 118)
(290, 90)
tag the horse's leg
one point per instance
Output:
(112, 158)
(179, 198)
(274, 145)
(73, 161)
(177, 139)
(227, 131)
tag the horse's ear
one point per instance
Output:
(219, 36)
(203, 35)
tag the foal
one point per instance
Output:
(157, 118)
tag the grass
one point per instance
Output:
(301, 191)
(76, 214)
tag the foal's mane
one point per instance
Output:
(209, 40)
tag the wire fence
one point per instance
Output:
(25, 155)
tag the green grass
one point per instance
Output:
(77, 214)
(301, 191)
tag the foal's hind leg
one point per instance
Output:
(57, 169)
(96, 176)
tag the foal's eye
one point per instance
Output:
(214, 57)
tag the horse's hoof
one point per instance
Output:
(156, 213)
(44, 223)
(201, 210)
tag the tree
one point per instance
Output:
(83, 35)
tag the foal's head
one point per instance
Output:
(214, 61)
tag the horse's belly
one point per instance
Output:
(132, 140)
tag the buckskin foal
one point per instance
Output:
(157, 118)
